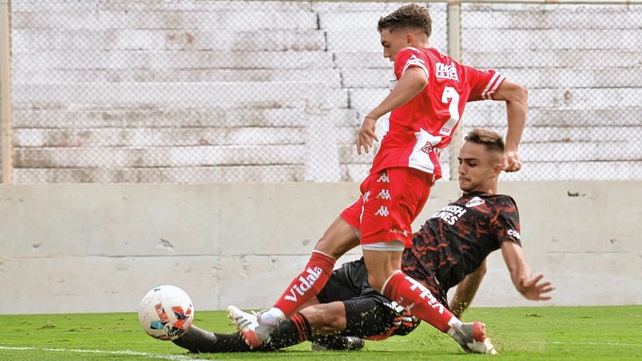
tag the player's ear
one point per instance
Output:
(497, 163)
(410, 39)
(497, 168)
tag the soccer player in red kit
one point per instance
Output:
(425, 106)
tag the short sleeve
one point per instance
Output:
(505, 222)
(408, 57)
(484, 83)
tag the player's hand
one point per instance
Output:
(366, 135)
(535, 290)
(511, 162)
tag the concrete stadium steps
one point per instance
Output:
(151, 39)
(200, 174)
(164, 15)
(533, 58)
(181, 95)
(329, 77)
(574, 134)
(157, 137)
(56, 116)
(551, 39)
(66, 157)
(613, 170)
(575, 78)
(44, 60)
(494, 114)
(567, 16)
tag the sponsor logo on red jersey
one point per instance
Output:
(444, 71)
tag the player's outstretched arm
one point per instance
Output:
(520, 273)
(516, 98)
(466, 290)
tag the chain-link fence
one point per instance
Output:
(230, 91)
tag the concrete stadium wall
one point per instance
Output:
(100, 248)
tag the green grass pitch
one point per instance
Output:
(523, 333)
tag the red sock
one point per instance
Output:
(307, 284)
(418, 300)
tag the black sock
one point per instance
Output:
(290, 332)
(200, 341)
(338, 342)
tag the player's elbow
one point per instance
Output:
(518, 96)
(521, 94)
(511, 93)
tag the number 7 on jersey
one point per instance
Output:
(450, 94)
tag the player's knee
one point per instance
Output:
(377, 281)
(339, 238)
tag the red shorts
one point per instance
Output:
(390, 201)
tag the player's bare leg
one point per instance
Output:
(339, 238)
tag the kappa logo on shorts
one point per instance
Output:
(384, 194)
(383, 211)
(476, 201)
(366, 196)
(384, 178)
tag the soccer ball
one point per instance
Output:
(166, 312)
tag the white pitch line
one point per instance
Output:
(587, 343)
(125, 352)
(181, 357)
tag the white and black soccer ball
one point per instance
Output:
(166, 312)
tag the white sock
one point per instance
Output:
(453, 321)
(273, 316)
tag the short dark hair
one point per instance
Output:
(493, 141)
(407, 16)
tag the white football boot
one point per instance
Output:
(472, 337)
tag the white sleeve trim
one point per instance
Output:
(492, 86)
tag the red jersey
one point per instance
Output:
(419, 129)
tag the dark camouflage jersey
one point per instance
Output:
(456, 239)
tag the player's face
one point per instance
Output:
(392, 43)
(478, 168)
